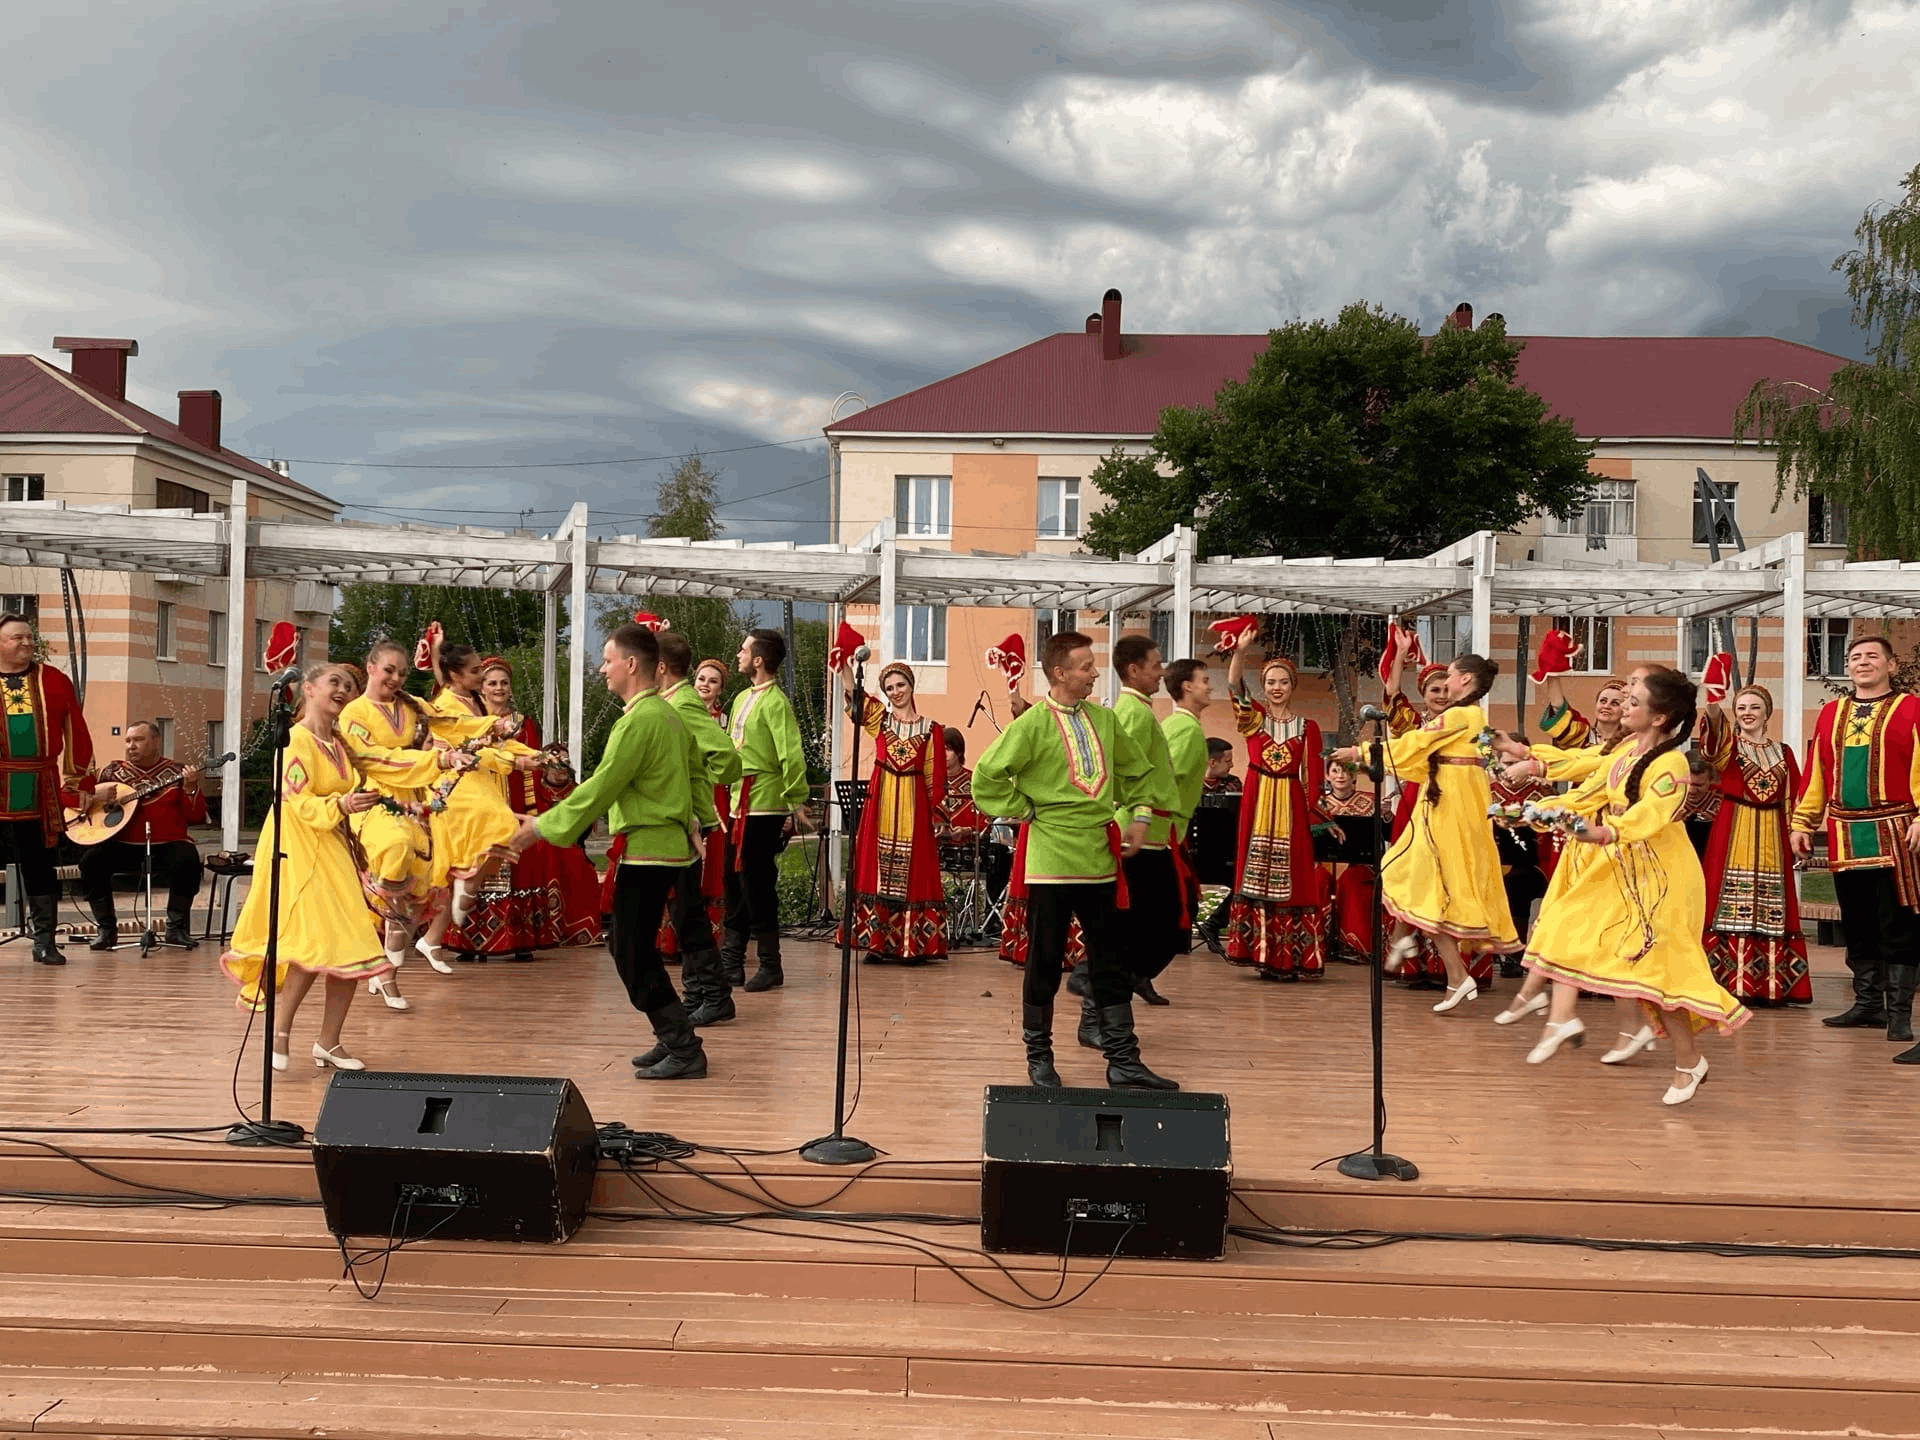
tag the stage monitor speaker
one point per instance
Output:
(454, 1157)
(1076, 1168)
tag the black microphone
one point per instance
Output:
(1371, 712)
(978, 706)
(862, 654)
(285, 680)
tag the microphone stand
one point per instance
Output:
(840, 1148)
(1376, 1164)
(267, 1130)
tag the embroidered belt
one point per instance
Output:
(1895, 810)
(1456, 760)
(1017, 884)
(740, 821)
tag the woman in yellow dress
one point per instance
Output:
(1629, 924)
(1441, 877)
(325, 927)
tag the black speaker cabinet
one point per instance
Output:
(454, 1157)
(1077, 1167)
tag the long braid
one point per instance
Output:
(1673, 695)
(1484, 673)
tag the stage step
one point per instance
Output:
(113, 1404)
(1677, 1379)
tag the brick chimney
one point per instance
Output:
(1110, 325)
(99, 364)
(1462, 316)
(1093, 323)
(200, 417)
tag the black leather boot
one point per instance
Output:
(707, 987)
(733, 957)
(179, 931)
(1869, 1002)
(1900, 979)
(44, 911)
(1089, 1034)
(1036, 1028)
(686, 1057)
(769, 976)
(1077, 980)
(1125, 1069)
(104, 917)
(1144, 989)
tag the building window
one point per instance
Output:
(1722, 521)
(923, 505)
(1059, 509)
(163, 631)
(1444, 638)
(1708, 636)
(260, 632)
(1826, 521)
(166, 735)
(1048, 623)
(26, 487)
(170, 495)
(1160, 627)
(920, 634)
(1608, 512)
(216, 637)
(1594, 635)
(1826, 649)
(25, 606)
(216, 739)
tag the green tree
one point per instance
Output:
(494, 622)
(1857, 442)
(1352, 438)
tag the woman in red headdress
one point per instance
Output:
(551, 895)
(899, 903)
(1278, 919)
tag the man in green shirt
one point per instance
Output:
(1151, 935)
(772, 785)
(1190, 684)
(1064, 767)
(713, 762)
(644, 787)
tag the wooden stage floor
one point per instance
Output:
(1795, 1117)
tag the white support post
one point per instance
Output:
(1183, 593)
(1113, 639)
(889, 583)
(836, 758)
(549, 665)
(577, 637)
(1484, 552)
(1793, 640)
(234, 710)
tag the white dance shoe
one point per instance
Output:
(336, 1057)
(387, 988)
(1457, 995)
(1629, 1046)
(1521, 1009)
(434, 954)
(1398, 953)
(465, 897)
(1573, 1032)
(1681, 1091)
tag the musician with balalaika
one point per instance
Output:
(146, 796)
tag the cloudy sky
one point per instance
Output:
(489, 235)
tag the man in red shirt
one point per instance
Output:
(162, 817)
(46, 758)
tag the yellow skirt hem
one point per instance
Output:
(1700, 1015)
(245, 971)
(1477, 937)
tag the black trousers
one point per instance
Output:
(639, 901)
(24, 842)
(1880, 930)
(687, 909)
(753, 896)
(176, 869)
(1051, 909)
(1149, 929)
(1524, 884)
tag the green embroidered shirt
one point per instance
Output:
(1066, 770)
(642, 785)
(767, 736)
(1187, 749)
(1158, 798)
(710, 754)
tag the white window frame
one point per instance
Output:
(216, 638)
(261, 630)
(1612, 508)
(1820, 632)
(216, 738)
(1444, 637)
(22, 603)
(1051, 622)
(1701, 630)
(923, 507)
(1826, 520)
(165, 722)
(920, 634)
(1583, 628)
(26, 485)
(166, 622)
(1067, 508)
(1697, 512)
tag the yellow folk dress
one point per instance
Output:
(325, 925)
(1629, 923)
(1442, 875)
(477, 817)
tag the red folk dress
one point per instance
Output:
(1753, 938)
(1277, 919)
(549, 897)
(900, 902)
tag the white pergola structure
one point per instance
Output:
(1465, 578)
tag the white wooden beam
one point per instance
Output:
(1793, 640)
(233, 705)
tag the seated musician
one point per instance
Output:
(1220, 777)
(162, 817)
(958, 823)
(1212, 845)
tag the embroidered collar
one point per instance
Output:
(1086, 759)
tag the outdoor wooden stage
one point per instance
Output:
(178, 1321)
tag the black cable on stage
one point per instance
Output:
(1306, 1239)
